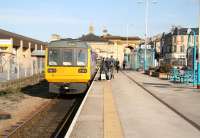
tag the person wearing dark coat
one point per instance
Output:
(103, 68)
(117, 65)
(124, 64)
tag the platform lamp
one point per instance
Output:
(146, 2)
(198, 64)
(189, 32)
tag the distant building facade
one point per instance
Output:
(174, 46)
(108, 45)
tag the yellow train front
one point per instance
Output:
(69, 67)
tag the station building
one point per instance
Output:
(20, 56)
(109, 45)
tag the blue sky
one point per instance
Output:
(71, 18)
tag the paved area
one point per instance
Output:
(121, 106)
(184, 98)
(90, 121)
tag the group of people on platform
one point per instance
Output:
(107, 67)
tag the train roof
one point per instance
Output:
(68, 43)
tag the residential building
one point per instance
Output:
(174, 46)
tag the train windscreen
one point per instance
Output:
(81, 57)
(54, 57)
(67, 57)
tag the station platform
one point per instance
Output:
(123, 107)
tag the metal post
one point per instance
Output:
(194, 59)
(153, 57)
(127, 34)
(32, 68)
(198, 64)
(8, 69)
(188, 45)
(18, 68)
(146, 33)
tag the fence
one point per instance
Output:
(137, 58)
(22, 82)
(11, 69)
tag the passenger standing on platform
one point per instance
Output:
(112, 67)
(117, 65)
(107, 66)
(124, 64)
(103, 69)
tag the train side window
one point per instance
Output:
(81, 57)
(54, 57)
(67, 57)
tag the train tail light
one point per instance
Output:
(51, 70)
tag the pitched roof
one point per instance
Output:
(184, 31)
(17, 37)
(111, 37)
(92, 38)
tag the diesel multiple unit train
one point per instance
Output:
(69, 66)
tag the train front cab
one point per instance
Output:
(68, 69)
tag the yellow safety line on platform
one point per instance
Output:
(112, 126)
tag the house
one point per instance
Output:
(174, 46)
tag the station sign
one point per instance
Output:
(147, 46)
(6, 45)
(6, 42)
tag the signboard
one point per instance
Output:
(148, 46)
(6, 42)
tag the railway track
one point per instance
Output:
(194, 124)
(46, 122)
(51, 120)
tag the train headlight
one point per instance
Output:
(82, 70)
(51, 70)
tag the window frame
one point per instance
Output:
(59, 59)
(74, 57)
(86, 50)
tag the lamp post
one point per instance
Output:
(146, 30)
(194, 55)
(198, 64)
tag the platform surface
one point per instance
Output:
(121, 108)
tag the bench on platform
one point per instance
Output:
(182, 76)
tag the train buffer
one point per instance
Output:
(136, 105)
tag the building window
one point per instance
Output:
(174, 49)
(182, 38)
(174, 39)
(182, 49)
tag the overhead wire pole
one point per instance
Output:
(127, 34)
(198, 64)
(146, 32)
